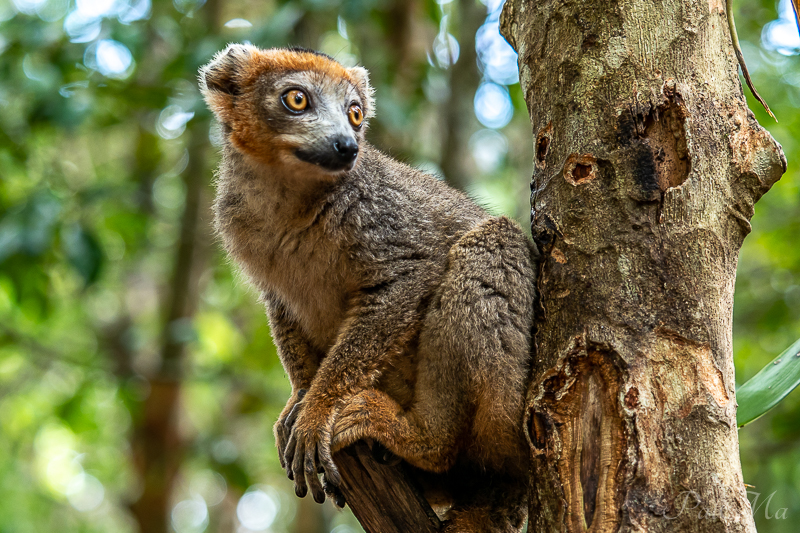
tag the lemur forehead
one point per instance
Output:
(297, 59)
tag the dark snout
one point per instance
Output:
(346, 149)
(334, 154)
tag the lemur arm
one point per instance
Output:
(300, 361)
(382, 322)
(738, 49)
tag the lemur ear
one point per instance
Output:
(361, 78)
(222, 77)
(223, 72)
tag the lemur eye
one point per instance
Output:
(356, 115)
(295, 100)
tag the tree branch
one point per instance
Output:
(383, 498)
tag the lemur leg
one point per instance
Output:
(427, 444)
(493, 304)
(425, 435)
(475, 345)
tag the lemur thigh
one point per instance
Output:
(489, 298)
(475, 346)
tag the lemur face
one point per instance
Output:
(290, 107)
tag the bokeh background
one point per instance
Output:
(138, 381)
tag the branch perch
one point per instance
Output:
(383, 497)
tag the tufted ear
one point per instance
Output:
(222, 74)
(221, 79)
(361, 78)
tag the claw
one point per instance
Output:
(338, 499)
(333, 492)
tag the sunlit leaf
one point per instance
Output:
(771, 385)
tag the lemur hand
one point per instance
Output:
(283, 426)
(309, 450)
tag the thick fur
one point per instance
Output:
(401, 307)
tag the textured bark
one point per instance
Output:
(647, 166)
(382, 497)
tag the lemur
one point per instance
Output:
(401, 311)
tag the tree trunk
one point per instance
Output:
(647, 166)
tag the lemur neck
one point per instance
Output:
(291, 194)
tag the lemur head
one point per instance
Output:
(290, 107)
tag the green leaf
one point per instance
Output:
(771, 385)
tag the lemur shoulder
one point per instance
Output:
(401, 310)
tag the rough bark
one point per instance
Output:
(647, 166)
(382, 497)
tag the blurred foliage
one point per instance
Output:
(105, 143)
(767, 297)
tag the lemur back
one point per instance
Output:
(401, 310)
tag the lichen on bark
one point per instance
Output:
(647, 166)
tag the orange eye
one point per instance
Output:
(295, 100)
(356, 115)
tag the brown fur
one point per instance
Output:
(401, 307)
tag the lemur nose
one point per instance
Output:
(346, 149)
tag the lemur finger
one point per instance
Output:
(300, 487)
(312, 477)
(281, 438)
(289, 455)
(288, 422)
(281, 445)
